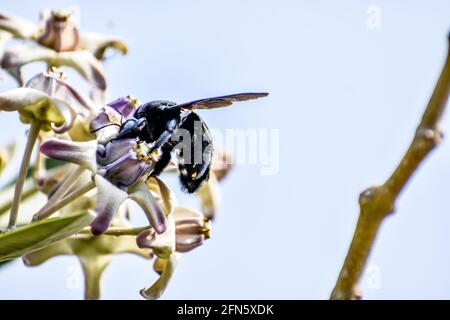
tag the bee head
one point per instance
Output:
(132, 128)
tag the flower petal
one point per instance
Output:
(222, 163)
(67, 113)
(20, 98)
(159, 265)
(158, 288)
(114, 150)
(4, 38)
(142, 196)
(184, 214)
(109, 199)
(20, 55)
(209, 194)
(99, 43)
(163, 244)
(82, 61)
(54, 86)
(124, 171)
(186, 243)
(191, 229)
(86, 64)
(81, 153)
(162, 194)
(106, 124)
(35, 105)
(126, 106)
(19, 27)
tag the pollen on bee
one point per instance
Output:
(143, 153)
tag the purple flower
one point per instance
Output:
(126, 106)
(107, 123)
(120, 168)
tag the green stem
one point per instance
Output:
(118, 231)
(32, 136)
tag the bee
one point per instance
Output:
(156, 122)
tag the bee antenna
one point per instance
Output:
(107, 125)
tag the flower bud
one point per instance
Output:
(191, 229)
(61, 33)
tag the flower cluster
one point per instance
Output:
(58, 42)
(82, 180)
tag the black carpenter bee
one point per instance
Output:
(156, 122)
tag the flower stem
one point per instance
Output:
(118, 231)
(378, 202)
(32, 136)
(64, 201)
(68, 182)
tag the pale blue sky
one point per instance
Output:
(346, 100)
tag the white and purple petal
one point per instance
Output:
(124, 171)
(125, 106)
(109, 199)
(140, 193)
(81, 153)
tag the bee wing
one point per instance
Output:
(221, 101)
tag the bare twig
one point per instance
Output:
(379, 201)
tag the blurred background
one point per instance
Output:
(346, 93)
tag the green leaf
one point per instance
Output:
(40, 234)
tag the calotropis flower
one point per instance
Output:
(59, 43)
(186, 230)
(49, 100)
(93, 252)
(120, 169)
(46, 102)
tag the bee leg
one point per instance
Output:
(165, 136)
